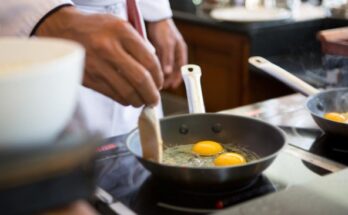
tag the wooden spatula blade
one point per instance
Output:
(150, 135)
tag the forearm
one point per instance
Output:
(58, 24)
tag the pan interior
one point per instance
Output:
(335, 100)
(182, 155)
(256, 136)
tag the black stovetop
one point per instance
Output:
(122, 176)
(318, 143)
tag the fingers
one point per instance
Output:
(136, 75)
(119, 64)
(180, 60)
(98, 85)
(166, 53)
(171, 50)
(120, 76)
(180, 54)
(105, 79)
(120, 86)
(137, 48)
(174, 79)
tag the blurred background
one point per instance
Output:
(223, 34)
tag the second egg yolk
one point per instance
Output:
(229, 159)
(335, 117)
(207, 148)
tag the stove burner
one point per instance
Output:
(154, 197)
(334, 148)
(318, 143)
(206, 191)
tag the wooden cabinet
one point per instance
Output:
(223, 54)
(223, 59)
(227, 81)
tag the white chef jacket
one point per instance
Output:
(19, 17)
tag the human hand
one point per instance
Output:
(119, 63)
(171, 50)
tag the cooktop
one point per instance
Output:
(135, 191)
(309, 155)
(129, 183)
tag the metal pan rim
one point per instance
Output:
(263, 159)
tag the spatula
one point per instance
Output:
(150, 135)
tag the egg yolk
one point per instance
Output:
(335, 117)
(229, 159)
(207, 148)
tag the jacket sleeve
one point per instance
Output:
(19, 17)
(155, 10)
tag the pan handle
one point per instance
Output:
(192, 79)
(283, 76)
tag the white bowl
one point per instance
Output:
(39, 80)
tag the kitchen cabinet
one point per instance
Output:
(223, 59)
(222, 50)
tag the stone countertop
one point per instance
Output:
(326, 195)
(290, 114)
(273, 38)
(186, 10)
(283, 111)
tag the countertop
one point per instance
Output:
(283, 111)
(322, 196)
(188, 11)
(290, 44)
(306, 192)
(286, 37)
(291, 173)
(289, 112)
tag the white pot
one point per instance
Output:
(39, 80)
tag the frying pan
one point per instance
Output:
(257, 136)
(318, 103)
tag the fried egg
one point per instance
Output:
(207, 148)
(229, 159)
(207, 154)
(337, 117)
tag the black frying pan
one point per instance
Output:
(254, 135)
(318, 103)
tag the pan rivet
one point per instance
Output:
(217, 128)
(320, 106)
(183, 129)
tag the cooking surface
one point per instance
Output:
(122, 176)
(326, 195)
(309, 155)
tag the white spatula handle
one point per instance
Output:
(192, 79)
(283, 76)
(150, 135)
